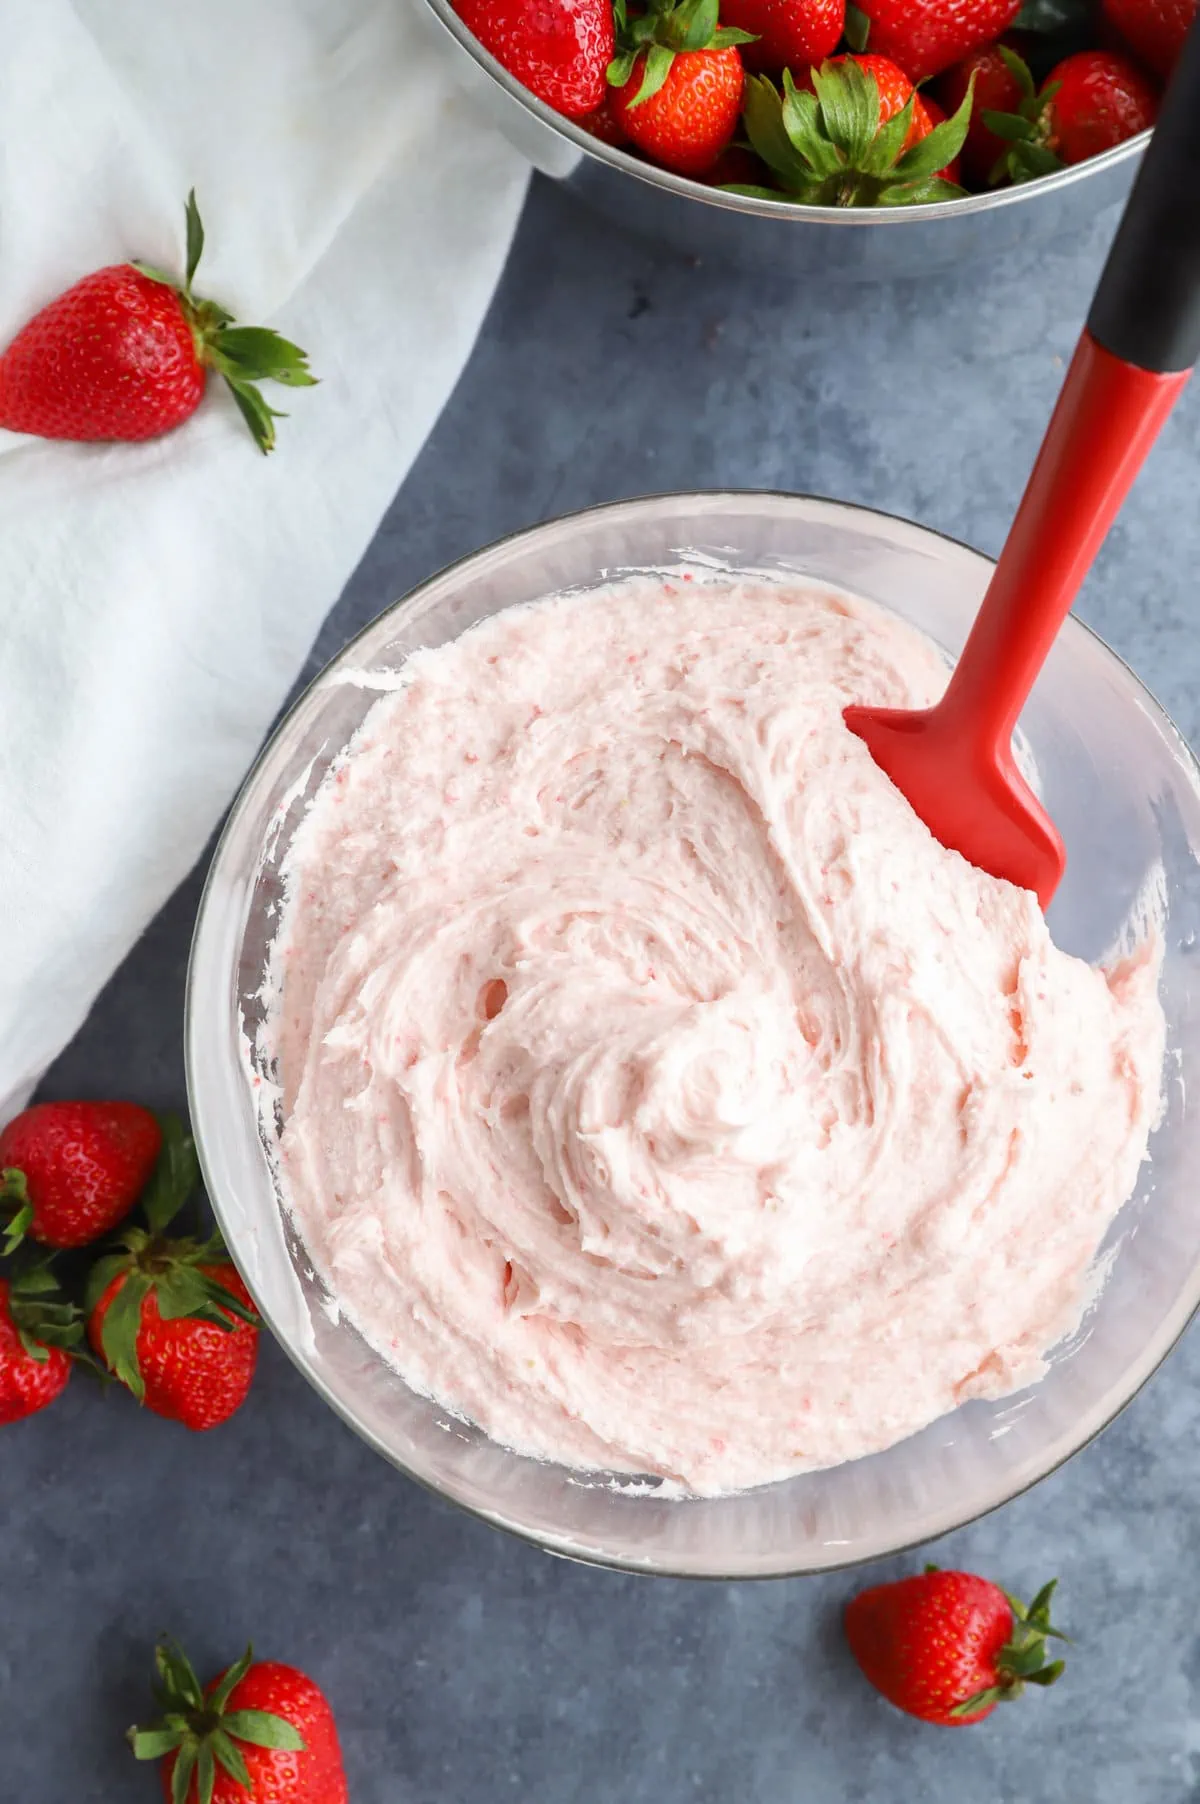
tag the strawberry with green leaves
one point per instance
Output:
(71, 1171)
(895, 91)
(126, 354)
(679, 81)
(860, 138)
(947, 1647)
(39, 1333)
(1088, 103)
(171, 1318)
(260, 1731)
(1001, 81)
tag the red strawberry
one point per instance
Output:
(1101, 101)
(998, 89)
(791, 34)
(125, 354)
(259, 1731)
(558, 49)
(605, 123)
(172, 1318)
(37, 1329)
(679, 78)
(926, 36)
(191, 1368)
(948, 1647)
(70, 1171)
(1154, 28)
(1088, 103)
(928, 113)
(855, 135)
(687, 123)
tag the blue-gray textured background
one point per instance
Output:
(466, 1668)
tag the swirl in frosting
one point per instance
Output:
(657, 1092)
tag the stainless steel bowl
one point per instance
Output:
(871, 244)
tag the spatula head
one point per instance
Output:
(974, 802)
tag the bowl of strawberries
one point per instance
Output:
(808, 133)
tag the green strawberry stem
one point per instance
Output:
(41, 1314)
(828, 148)
(203, 1733)
(243, 355)
(857, 28)
(1022, 1660)
(175, 1175)
(1026, 132)
(14, 1196)
(664, 30)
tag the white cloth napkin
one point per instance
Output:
(157, 601)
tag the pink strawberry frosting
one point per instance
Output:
(658, 1094)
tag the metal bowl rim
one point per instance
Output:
(666, 181)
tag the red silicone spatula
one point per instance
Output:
(954, 761)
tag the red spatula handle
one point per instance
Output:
(1134, 358)
(1108, 415)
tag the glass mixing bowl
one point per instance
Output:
(1125, 791)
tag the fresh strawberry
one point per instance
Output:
(38, 1331)
(260, 1731)
(929, 113)
(195, 1367)
(70, 1171)
(172, 1319)
(558, 49)
(679, 78)
(861, 137)
(948, 1647)
(791, 34)
(1101, 100)
(1155, 29)
(999, 89)
(125, 354)
(690, 120)
(1088, 103)
(895, 91)
(926, 36)
(893, 86)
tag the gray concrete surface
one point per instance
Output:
(467, 1668)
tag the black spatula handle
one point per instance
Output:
(1147, 307)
